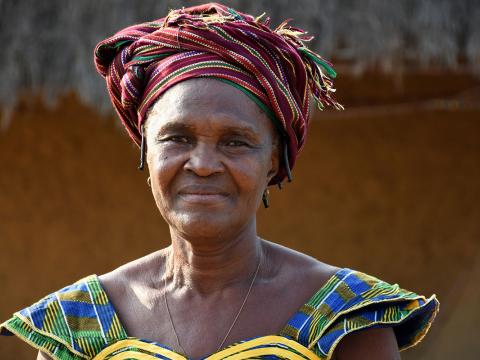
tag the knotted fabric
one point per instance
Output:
(272, 66)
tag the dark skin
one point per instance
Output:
(211, 154)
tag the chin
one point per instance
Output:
(204, 225)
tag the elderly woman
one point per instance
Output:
(219, 104)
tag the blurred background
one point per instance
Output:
(390, 186)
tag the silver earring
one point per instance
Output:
(149, 182)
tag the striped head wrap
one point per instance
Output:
(272, 66)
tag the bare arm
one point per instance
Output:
(43, 356)
(371, 344)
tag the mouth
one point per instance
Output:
(202, 195)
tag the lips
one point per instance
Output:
(202, 194)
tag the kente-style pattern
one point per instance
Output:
(72, 323)
(79, 322)
(272, 66)
(353, 300)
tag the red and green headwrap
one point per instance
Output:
(273, 67)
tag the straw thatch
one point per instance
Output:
(47, 45)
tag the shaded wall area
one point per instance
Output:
(396, 196)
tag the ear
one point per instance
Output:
(274, 159)
(147, 137)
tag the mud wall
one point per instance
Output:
(396, 196)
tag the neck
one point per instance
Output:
(206, 265)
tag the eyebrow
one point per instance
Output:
(173, 126)
(244, 130)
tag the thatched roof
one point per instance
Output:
(47, 45)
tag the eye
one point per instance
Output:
(179, 139)
(236, 143)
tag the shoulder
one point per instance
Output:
(301, 274)
(80, 319)
(136, 268)
(132, 289)
(140, 273)
(58, 323)
(297, 265)
(352, 310)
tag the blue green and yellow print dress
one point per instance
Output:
(79, 322)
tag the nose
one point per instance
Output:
(204, 160)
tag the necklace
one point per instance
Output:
(234, 320)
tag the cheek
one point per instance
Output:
(250, 176)
(163, 167)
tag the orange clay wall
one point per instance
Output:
(396, 196)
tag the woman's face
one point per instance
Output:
(211, 152)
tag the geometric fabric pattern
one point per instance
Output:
(79, 322)
(75, 322)
(351, 301)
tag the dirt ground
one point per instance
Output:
(393, 194)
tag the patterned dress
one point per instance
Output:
(79, 322)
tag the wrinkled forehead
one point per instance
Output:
(198, 101)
